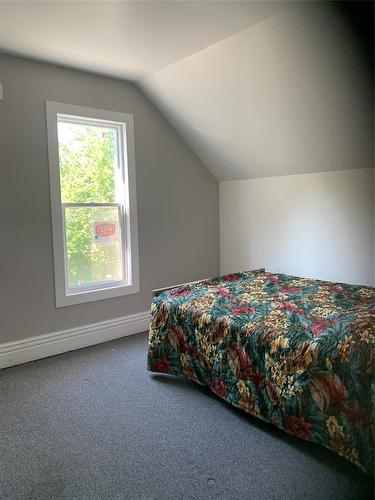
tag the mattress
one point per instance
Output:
(294, 352)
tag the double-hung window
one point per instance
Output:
(93, 201)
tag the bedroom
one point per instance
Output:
(233, 137)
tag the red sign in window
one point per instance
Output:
(105, 231)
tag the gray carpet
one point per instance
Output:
(95, 424)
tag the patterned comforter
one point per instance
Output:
(295, 352)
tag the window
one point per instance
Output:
(93, 200)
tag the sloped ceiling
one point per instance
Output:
(256, 88)
(288, 95)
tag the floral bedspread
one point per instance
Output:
(295, 352)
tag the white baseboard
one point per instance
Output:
(50, 344)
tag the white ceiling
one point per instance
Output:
(256, 88)
(125, 39)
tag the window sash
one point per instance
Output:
(103, 284)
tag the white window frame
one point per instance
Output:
(124, 122)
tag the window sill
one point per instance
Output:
(63, 299)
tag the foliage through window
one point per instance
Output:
(88, 166)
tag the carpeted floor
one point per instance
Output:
(94, 424)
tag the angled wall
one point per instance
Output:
(177, 200)
(291, 94)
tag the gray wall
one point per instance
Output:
(178, 200)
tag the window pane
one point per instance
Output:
(88, 162)
(93, 245)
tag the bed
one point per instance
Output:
(294, 352)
